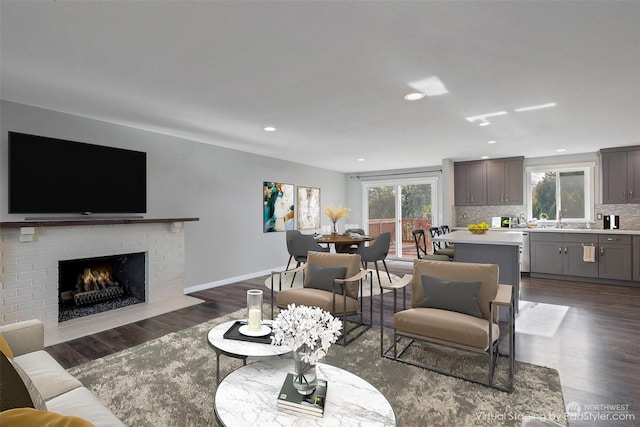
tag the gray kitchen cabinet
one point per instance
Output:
(505, 181)
(562, 254)
(621, 175)
(545, 251)
(615, 256)
(573, 263)
(470, 183)
(635, 264)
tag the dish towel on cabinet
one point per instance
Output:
(589, 253)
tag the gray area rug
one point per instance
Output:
(170, 381)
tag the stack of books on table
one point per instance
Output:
(312, 404)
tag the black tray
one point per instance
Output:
(234, 334)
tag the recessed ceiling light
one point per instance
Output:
(561, 150)
(484, 123)
(484, 157)
(535, 107)
(269, 129)
(414, 96)
(360, 160)
(491, 142)
(431, 86)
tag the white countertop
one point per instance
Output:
(567, 230)
(512, 237)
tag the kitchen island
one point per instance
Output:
(493, 247)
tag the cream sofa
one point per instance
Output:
(62, 392)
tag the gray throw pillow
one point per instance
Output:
(451, 295)
(322, 277)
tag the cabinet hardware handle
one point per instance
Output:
(612, 239)
(601, 251)
(565, 250)
(624, 194)
(631, 194)
(560, 251)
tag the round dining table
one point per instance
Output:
(343, 242)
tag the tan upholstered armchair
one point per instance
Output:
(333, 282)
(452, 304)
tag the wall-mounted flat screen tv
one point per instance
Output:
(48, 175)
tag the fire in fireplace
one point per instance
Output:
(94, 285)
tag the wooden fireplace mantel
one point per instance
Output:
(91, 221)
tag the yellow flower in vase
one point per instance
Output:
(335, 214)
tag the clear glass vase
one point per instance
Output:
(254, 310)
(305, 379)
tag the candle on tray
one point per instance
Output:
(254, 309)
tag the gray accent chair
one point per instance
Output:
(429, 320)
(375, 252)
(343, 300)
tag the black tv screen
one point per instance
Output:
(48, 175)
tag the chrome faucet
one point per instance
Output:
(559, 223)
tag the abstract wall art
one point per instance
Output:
(278, 207)
(308, 208)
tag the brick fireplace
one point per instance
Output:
(31, 254)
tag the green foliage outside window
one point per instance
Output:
(570, 188)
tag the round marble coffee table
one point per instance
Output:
(248, 397)
(240, 349)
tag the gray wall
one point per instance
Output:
(220, 186)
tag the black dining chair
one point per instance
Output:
(421, 247)
(377, 251)
(354, 248)
(439, 248)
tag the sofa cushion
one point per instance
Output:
(49, 377)
(4, 347)
(13, 392)
(451, 295)
(36, 397)
(323, 278)
(21, 417)
(24, 336)
(81, 403)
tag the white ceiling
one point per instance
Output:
(331, 76)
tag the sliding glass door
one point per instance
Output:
(399, 207)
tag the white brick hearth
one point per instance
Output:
(29, 271)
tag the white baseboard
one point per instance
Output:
(229, 280)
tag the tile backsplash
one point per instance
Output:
(629, 214)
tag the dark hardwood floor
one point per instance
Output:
(596, 349)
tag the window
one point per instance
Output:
(560, 192)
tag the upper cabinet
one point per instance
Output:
(621, 175)
(504, 181)
(470, 183)
(489, 182)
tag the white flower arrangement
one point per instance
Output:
(298, 326)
